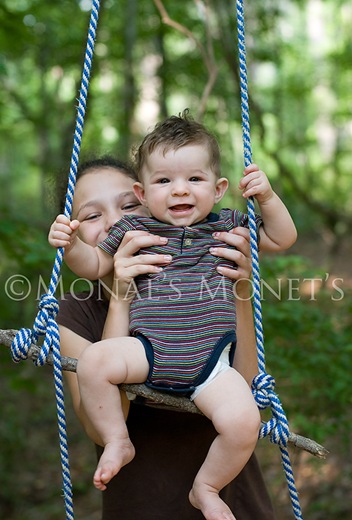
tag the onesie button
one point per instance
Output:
(188, 242)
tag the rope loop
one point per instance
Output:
(21, 344)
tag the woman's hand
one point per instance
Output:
(128, 264)
(237, 238)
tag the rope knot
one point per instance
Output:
(50, 303)
(263, 386)
(45, 325)
(48, 308)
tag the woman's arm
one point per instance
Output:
(128, 265)
(245, 360)
(73, 345)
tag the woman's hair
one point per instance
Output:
(106, 161)
(174, 133)
(96, 165)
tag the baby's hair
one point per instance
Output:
(96, 165)
(174, 133)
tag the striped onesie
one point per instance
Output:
(185, 315)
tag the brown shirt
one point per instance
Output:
(170, 448)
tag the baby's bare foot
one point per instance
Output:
(208, 501)
(116, 454)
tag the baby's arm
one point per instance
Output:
(278, 231)
(84, 260)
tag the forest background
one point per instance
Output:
(154, 59)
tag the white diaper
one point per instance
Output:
(221, 366)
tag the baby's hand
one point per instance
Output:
(255, 184)
(63, 232)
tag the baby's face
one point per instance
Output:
(179, 186)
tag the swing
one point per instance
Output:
(45, 325)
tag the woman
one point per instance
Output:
(170, 445)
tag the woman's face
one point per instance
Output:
(102, 197)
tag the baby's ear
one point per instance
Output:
(139, 192)
(220, 188)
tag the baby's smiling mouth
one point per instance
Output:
(181, 207)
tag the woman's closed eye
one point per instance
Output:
(92, 216)
(131, 206)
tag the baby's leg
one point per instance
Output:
(228, 403)
(101, 367)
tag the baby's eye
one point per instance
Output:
(164, 180)
(195, 179)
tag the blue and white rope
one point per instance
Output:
(45, 323)
(263, 384)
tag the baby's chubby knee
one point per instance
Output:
(90, 359)
(245, 421)
(253, 422)
(250, 420)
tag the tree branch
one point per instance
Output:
(179, 403)
(207, 53)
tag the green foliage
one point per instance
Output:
(308, 331)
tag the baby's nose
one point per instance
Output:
(180, 188)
